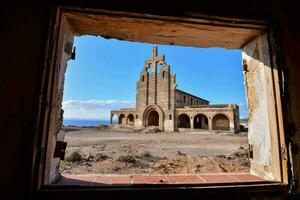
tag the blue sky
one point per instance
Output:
(103, 76)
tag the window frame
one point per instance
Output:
(49, 84)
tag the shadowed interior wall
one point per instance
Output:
(220, 122)
(183, 121)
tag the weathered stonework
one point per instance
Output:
(159, 103)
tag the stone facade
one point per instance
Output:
(160, 103)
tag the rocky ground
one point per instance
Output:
(120, 150)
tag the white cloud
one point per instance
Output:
(93, 109)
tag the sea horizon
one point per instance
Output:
(85, 122)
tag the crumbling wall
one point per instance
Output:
(210, 111)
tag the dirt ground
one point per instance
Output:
(119, 150)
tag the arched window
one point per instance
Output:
(143, 78)
(164, 74)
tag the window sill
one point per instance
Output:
(178, 186)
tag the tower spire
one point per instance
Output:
(154, 52)
(152, 62)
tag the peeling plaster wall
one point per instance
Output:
(65, 45)
(259, 134)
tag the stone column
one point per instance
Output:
(210, 123)
(192, 123)
(231, 125)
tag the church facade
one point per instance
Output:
(159, 103)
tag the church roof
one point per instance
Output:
(192, 95)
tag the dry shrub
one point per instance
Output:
(100, 157)
(146, 154)
(102, 127)
(127, 159)
(75, 156)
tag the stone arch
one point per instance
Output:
(130, 119)
(122, 119)
(183, 121)
(152, 111)
(220, 122)
(200, 121)
(114, 119)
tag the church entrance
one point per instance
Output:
(153, 118)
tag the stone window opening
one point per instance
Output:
(143, 78)
(170, 117)
(149, 70)
(258, 39)
(164, 74)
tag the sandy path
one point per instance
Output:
(192, 152)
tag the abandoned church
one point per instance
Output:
(159, 103)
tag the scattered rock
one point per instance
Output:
(100, 157)
(221, 156)
(149, 129)
(116, 168)
(146, 154)
(180, 153)
(127, 159)
(102, 127)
